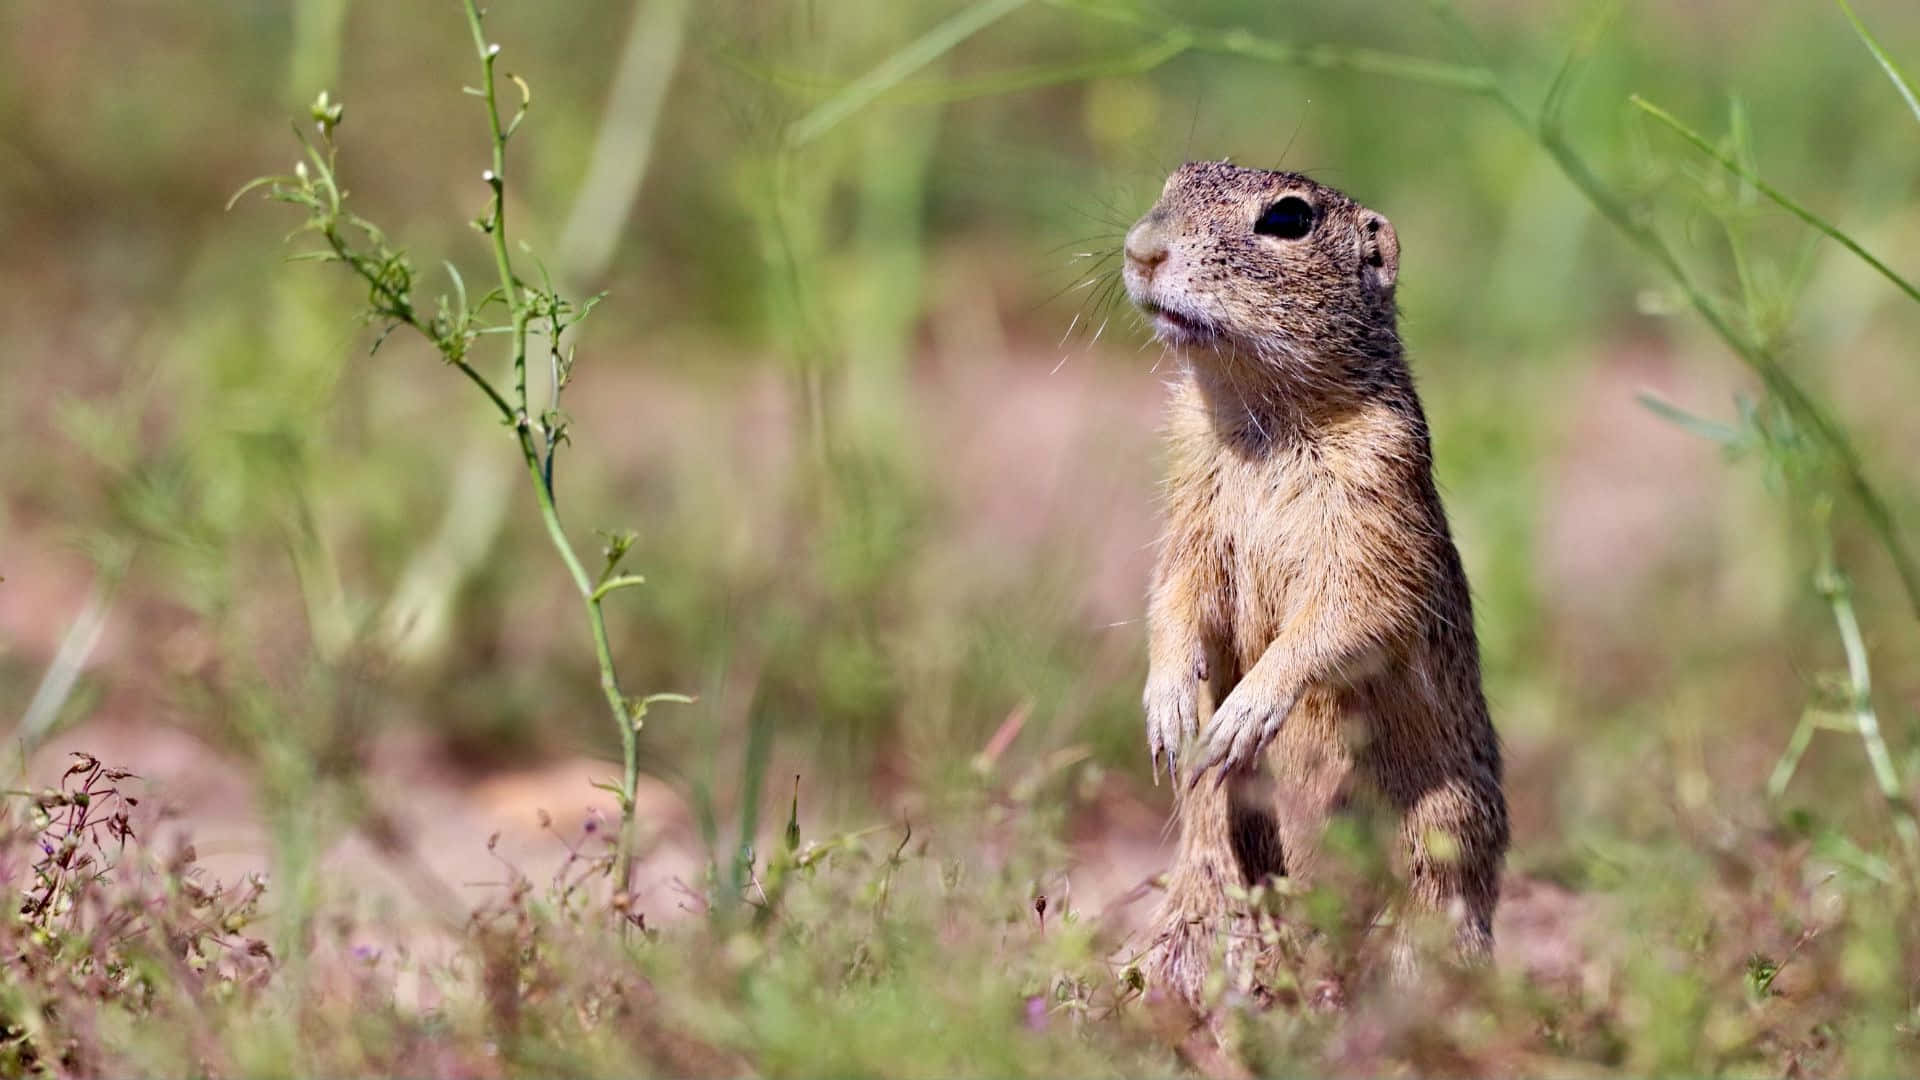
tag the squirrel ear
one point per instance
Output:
(1379, 249)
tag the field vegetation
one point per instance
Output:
(654, 585)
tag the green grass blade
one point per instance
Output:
(1887, 65)
(83, 635)
(1247, 45)
(924, 50)
(753, 780)
(1778, 197)
(1138, 62)
(1711, 430)
(1596, 24)
(942, 91)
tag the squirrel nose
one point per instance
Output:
(1145, 248)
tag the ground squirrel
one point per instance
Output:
(1306, 577)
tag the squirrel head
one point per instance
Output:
(1269, 266)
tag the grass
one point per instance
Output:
(893, 536)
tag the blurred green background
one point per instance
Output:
(890, 488)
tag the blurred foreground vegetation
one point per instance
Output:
(887, 453)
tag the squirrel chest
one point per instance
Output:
(1270, 513)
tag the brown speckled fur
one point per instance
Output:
(1306, 580)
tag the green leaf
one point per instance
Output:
(611, 788)
(637, 707)
(256, 183)
(610, 585)
(1729, 437)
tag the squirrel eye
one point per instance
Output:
(1289, 219)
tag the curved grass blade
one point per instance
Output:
(1887, 65)
(922, 51)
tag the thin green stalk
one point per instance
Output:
(1802, 407)
(76, 645)
(624, 146)
(1245, 43)
(603, 203)
(359, 245)
(603, 653)
(318, 31)
(1900, 82)
(496, 221)
(1757, 357)
(1779, 198)
(1833, 585)
(522, 313)
(1789, 763)
(922, 51)
(1017, 80)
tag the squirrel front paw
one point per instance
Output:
(1241, 727)
(1173, 717)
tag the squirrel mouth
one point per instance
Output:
(1177, 327)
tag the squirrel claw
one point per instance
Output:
(1241, 728)
(1173, 715)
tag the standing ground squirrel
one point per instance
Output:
(1306, 577)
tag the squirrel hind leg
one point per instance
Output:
(1255, 836)
(1198, 928)
(1456, 839)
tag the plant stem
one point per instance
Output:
(924, 50)
(537, 469)
(1799, 403)
(496, 225)
(1779, 197)
(1887, 65)
(1833, 584)
(83, 634)
(1756, 354)
(603, 652)
(1245, 43)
